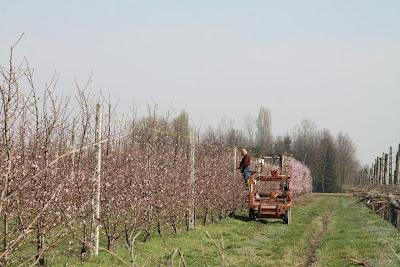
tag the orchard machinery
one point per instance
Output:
(269, 195)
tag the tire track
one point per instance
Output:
(315, 243)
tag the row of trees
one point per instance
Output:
(155, 171)
(57, 154)
(331, 159)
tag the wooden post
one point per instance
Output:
(382, 166)
(371, 174)
(379, 163)
(192, 153)
(385, 168)
(390, 165)
(397, 167)
(365, 177)
(377, 171)
(97, 180)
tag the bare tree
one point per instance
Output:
(346, 163)
(304, 141)
(283, 144)
(264, 132)
(250, 130)
(11, 105)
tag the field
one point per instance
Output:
(327, 230)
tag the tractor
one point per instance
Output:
(269, 195)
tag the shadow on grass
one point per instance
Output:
(240, 217)
(244, 218)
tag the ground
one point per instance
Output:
(326, 230)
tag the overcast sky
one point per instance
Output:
(336, 63)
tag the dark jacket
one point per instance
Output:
(245, 162)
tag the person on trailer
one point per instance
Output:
(244, 167)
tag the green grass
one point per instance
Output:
(356, 232)
(352, 231)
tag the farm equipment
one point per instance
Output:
(269, 195)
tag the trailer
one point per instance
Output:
(269, 195)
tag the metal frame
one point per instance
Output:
(271, 207)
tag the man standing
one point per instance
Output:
(244, 167)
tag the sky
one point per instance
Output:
(336, 63)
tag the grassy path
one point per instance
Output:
(325, 231)
(357, 233)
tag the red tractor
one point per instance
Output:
(269, 194)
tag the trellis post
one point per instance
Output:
(390, 165)
(385, 168)
(97, 180)
(192, 153)
(397, 167)
(379, 163)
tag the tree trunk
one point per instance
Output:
(173, 224)
(40, 247)
(147, 235)
(205, 217)
(84, 242)
(159, 229)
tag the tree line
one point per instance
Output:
(332, 159)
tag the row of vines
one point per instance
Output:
(384, 200)
(377, 186)
(384, 170)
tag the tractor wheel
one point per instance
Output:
(287, 217)
(252, 215)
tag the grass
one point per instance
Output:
(328, 229)
(356, 232)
